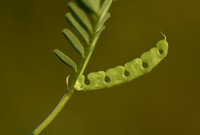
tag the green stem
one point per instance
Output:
(54, 113)
(69, 92)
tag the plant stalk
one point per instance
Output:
(68, 93)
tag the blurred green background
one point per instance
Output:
(164, 102)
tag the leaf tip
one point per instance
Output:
(65, 30)
(55, 51)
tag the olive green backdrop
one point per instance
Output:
(164, 102)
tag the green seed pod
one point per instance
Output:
(135, 68)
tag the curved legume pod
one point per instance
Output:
(117, 75)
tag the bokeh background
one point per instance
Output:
(164, 102)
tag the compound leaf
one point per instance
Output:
(97, 34)
(77, 27)
(80, 16)
(102, 22)
(74, 41)
(93, 5)
(65, 59)
(105, 7)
